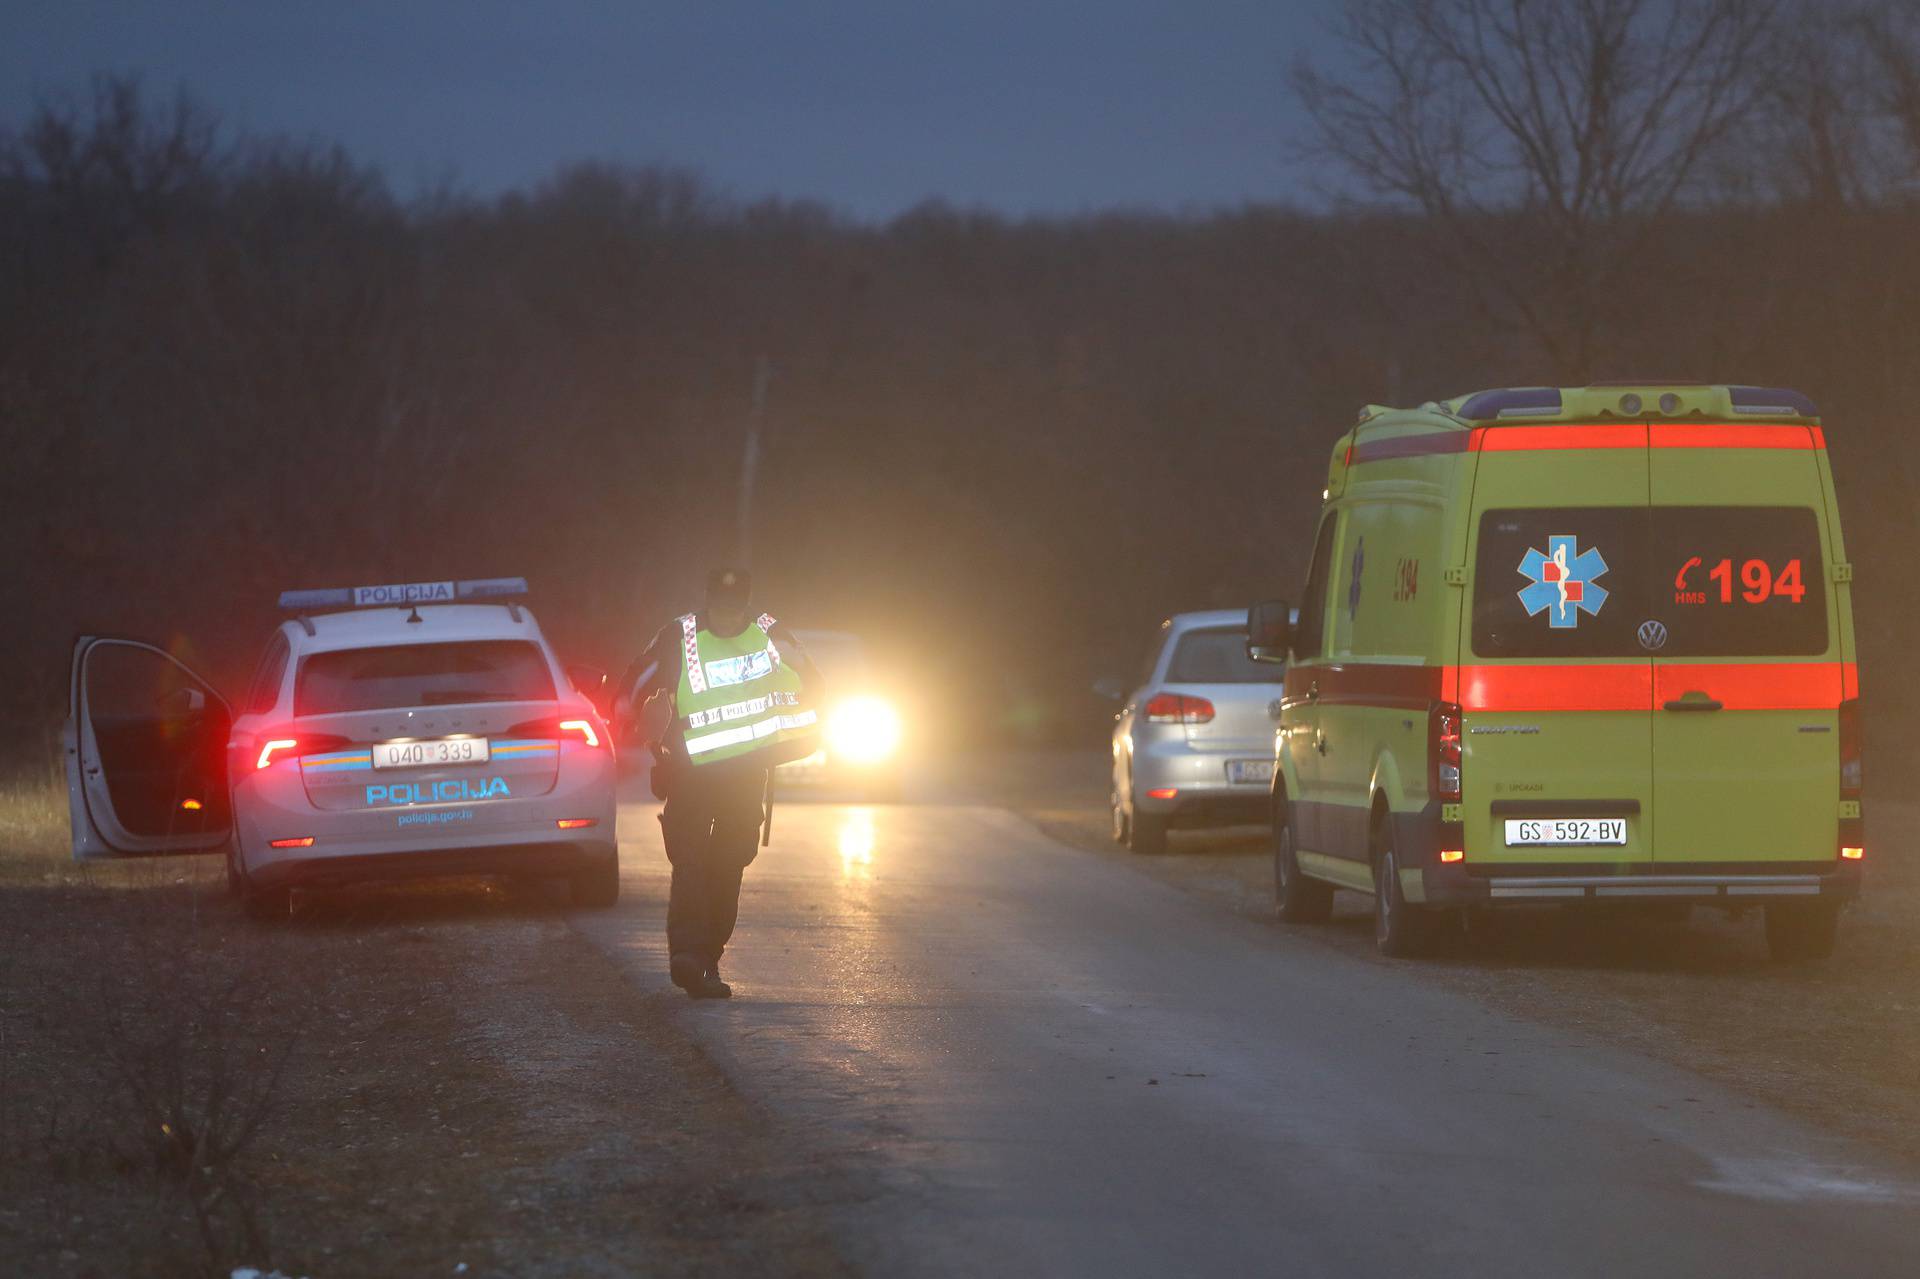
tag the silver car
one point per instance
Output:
(1193, 744)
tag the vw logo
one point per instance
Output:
(1653, 634)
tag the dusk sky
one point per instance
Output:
(869, 105)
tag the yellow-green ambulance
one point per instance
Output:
(1583, 646)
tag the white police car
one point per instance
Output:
(389, 731)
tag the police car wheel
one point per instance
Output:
(598, 885)
(1120, 823)
(1800, 933)
(236, 875)
(1400, 929)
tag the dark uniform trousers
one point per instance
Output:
(711, 823)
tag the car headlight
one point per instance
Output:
(863, 730)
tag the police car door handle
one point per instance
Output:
(1695, 700)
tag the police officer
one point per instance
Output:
(742, 696)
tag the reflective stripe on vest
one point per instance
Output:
(752, 732)
(690, 653)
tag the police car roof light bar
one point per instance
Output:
(407, 594)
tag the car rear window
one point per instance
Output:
(373, 679)
(1218, 657)
(1671, 581)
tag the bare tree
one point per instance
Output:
(1542, 139)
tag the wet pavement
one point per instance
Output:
(1027, 1058)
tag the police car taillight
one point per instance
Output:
(1443, 725)
(1177, 708)
(279, 743)
(583, 727)
(272, 747)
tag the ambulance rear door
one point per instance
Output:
(1747, 653)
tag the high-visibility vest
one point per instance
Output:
(737, 697)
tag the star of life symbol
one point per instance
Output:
(1563, 582)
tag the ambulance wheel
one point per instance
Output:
(598, 885)
(1798, 933)
(1401, 929)
(1147, 832)
(1297, 899)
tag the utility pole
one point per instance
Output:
(750, 461)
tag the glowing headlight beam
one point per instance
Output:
(863, 730)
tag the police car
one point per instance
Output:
(389, 731)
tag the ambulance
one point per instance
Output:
(1586, 646)
(391, 731)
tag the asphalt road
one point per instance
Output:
(1024, 1058)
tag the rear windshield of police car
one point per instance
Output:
(1218, 657)
(1659, 582)
(449, 674)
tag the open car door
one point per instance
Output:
(146, 753)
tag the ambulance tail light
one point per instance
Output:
(1178, 708)
(1443, 735)
(1850, 749)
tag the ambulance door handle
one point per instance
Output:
(1694, 700)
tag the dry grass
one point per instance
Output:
(33, 822)
(399, 1080)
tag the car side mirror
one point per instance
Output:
(1270, 631)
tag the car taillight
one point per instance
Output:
(282, 742)
(576, 823)
(583, 728)
(1850, 748)
(1443, 726)
(1178, 708)
(272, 747)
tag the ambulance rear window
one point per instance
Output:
(408, 675)
(1660, 582)
(1739, 581)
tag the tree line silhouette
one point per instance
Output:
(1000, 448)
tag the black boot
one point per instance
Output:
(687, 970)
(709, 985)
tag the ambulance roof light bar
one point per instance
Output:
(407, 594)
(1518, 401)
(1667, 399)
